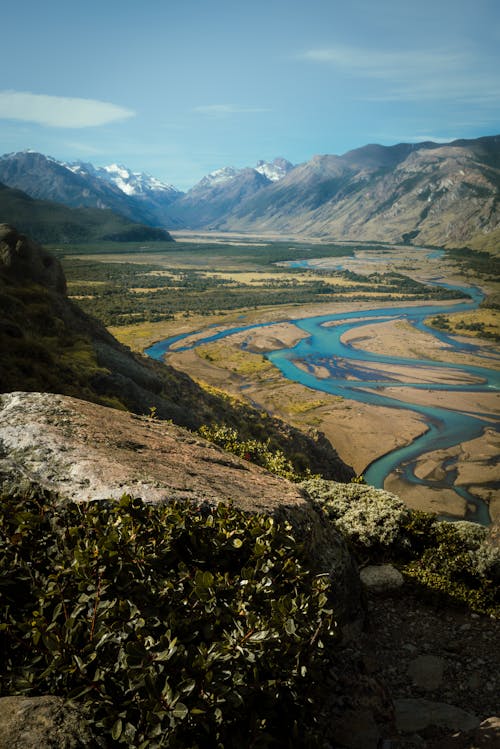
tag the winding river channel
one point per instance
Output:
(359, 375)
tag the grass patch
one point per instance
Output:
(294, 409)
(480, 323)
(228, 357)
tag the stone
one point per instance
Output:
(426, 671)
(381, 578)
(414, 715)
(43, 723)
(485, 736)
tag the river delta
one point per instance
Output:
(414, 409)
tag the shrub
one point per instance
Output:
(175, 625)
(371, 519)
(460, 565)
(451, 562)
(255, 451)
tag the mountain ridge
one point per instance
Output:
(44, 178)
(445, 194)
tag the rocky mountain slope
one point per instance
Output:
(218, 195)
(51, 222)
(416, 677)
(49, 344)
(423, 193)
(221, 192)
(137, 197)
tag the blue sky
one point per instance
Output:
(178, 89)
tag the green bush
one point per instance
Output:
(255, 451)
(176, 625)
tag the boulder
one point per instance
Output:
(381, 578)
(413, 715)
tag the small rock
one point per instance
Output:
(417, 714)
(488, 734)
(410, 647)
(381, 578)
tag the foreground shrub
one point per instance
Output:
(458, 563)
(371, 519)
(452, 562)
(177, 626)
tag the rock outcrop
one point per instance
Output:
(84, 452)
(24, 260)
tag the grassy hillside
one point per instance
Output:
(51, 222)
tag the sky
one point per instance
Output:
(179, 88)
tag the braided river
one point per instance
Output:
(322, 360)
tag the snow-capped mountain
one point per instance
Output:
(218, 177)
(274, 170)
(129, 182)
(134, 195)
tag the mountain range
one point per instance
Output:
(136, 197)
(423, 193)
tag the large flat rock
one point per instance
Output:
(84, 452)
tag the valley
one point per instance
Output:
(230, 310)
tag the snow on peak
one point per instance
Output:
(274, 170)
(129, 182)
(219, 176)
(133, 183)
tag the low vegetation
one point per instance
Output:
(260, 452)
(39, 351)
(147, 286)
(453, 563)
(174, 625)
(181, 625)
(481, 323)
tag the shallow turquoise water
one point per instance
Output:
(323, 346)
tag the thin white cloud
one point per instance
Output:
(384, 64)
(224, 110)
(59, 111)
(413, 74)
